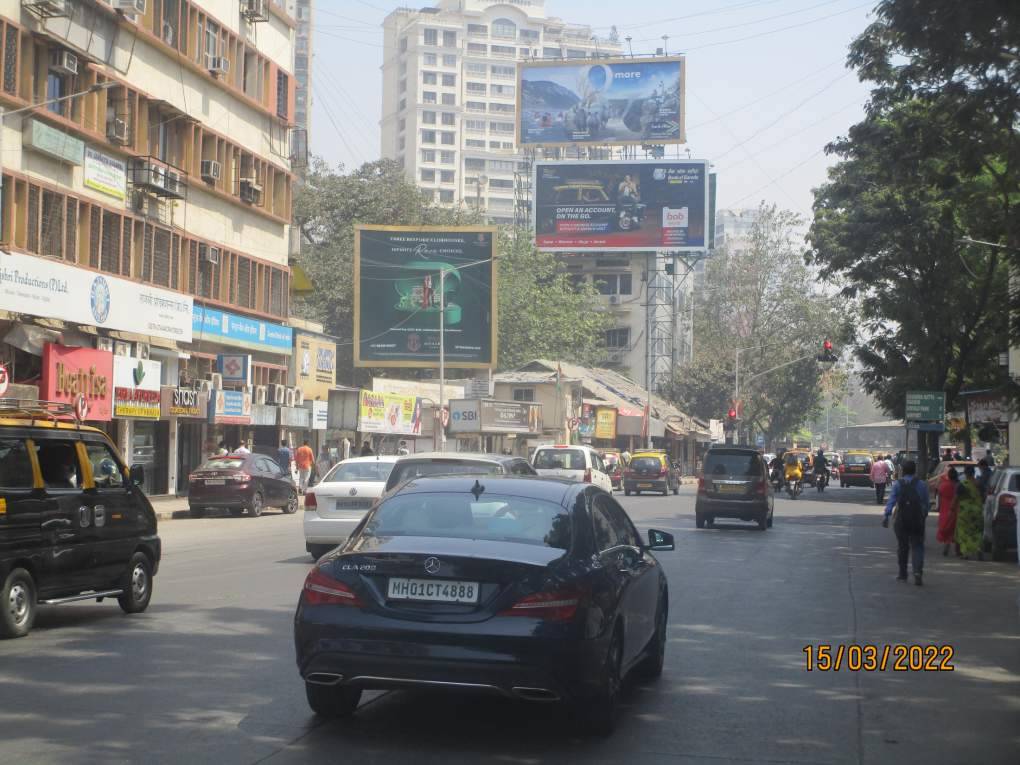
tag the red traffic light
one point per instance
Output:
(827, 346)
(732, 414)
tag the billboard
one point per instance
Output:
(315, 370)
(488, 416)
(389, 413)
(605, 423)
(397, 300)
(621, 205)
(617, 101)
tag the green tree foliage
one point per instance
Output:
(761, 297)
(542, 314)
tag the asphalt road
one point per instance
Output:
(207, 674)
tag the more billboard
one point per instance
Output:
(616, 101)
(621, 205)
(397, 296)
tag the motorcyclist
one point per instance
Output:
(793, 471)
(776, 467)
(821, 466)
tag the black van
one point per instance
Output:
(74, 524)
(734, 484)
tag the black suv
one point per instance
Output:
(734, 484)
(74, 524)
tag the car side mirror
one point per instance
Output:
(137, 474)
(660, 541)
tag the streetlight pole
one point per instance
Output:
(4, 114)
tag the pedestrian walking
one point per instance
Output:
(970, 518)
(366, 449)
(909, 498)
(984, 477)
(284, 456)
(880, 477)
(949, 508)
(304, 458)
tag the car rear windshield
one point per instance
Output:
(224, 463)
(560, 459)
(646, 463)
(733, 463)
(359, 471)
(404, 471)
(496, 517)
(857, 459)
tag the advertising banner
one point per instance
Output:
(136, 389)
(605, 423)
(389, 413)
(50, 289)
(615, 101)
(988, 409)
(315, 365)
(183, 402)
(241, 331)
(235, 367)
(621, 205)
(416, 388)
(397, 301)
(73, 374)
(105, 174)
(320, 414)
(230, 407)
(488, 416)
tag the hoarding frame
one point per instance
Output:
(575, 62)
(494, 301)
(538, 164)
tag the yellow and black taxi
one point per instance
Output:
(74, 524)
(651, 470)
(856, 470)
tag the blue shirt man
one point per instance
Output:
(909, 536)
(284, 456)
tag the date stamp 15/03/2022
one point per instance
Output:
(854, 657)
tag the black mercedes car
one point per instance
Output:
(537, 589)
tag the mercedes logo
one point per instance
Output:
(432, 565)
(353, 492)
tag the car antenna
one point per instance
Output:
(477, 490)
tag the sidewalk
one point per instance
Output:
(169, 507)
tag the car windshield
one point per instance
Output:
(496, 517)
(646, 463)
(732, 463)
(404, 471)
(560, 459)
(359, 471)
(224, 463)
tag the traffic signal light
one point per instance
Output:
(732, 415)
(827, 356)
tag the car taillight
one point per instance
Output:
(1007, 500)
(323, 590)
(761, 487)
(587, 475)
(701, 485)
(311, 503)
(242, 477)
(552, 606)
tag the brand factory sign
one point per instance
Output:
(79, 376)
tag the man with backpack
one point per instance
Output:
(909, 497)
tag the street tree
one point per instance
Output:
(760, 297)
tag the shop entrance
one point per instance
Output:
(150, 443)
(189, 453)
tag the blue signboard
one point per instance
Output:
(242, 331)
(235, 367)
(230, 407)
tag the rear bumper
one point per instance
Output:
(745, 510)
(321, 531)
(232, 497)
(650, 484)
(856, 479)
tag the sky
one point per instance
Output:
(767, 86)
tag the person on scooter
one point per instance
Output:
(793, 472)
(821, 468)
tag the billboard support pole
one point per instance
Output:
(442, 356)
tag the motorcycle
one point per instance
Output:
(821, 480)
(793, 488)
(777, 478)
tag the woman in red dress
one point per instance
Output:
(949, 507)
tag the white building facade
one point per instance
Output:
(449, 101)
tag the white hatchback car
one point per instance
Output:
(335, 505)
(576, 463)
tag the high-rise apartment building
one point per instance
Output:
(450, 93)
(145, 213)
(301, 11)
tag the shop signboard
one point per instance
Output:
(988, 409)
(136, 389)
(389, 413)
(230, 407)
(295, 417)
(621, 205)
(397, 297)
(320, 414)
(105, 174)
(235, 367)
(510, 417)
(43, 138)
(82, 377)
(241, 331)
(314, 365)
(609, 102)
(50, 289)
(265, 414)
(185, 403)
(605, 423)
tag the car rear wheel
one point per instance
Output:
(332, 701)
(999, 549)
(699, 520)
(255, 506)
(626, 492)
(137, 585)
(17, 604)
(597, 715)
(763, 522)
(292, 503)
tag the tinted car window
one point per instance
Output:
(606, 533)
(58, 462)
(359, 471)
(520, 467)
(560, 459)
(1014, 482)
(460, 516)
(626, 534)
(224, 463)
(15, 465)
(404, 471)
(646, 463)
(105, 470)
(858, 459)
(733, 463)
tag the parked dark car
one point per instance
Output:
(74, 523)
(240, 482)
(538, 589)
(456, 463)
(734, 484)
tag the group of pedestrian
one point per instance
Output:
(303, 458)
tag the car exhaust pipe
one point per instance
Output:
(535, 694)
(323, 678)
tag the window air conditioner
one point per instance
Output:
(255, 10)
(218, 65)
(48, 9)
(289, 397)
(204, 386)
(209, 254)
(64, 62)
(261, 394)
(614, 300)
(104, 344)
(299, 397)
(117, 131)
(211, 170)
(142, 350)
(172, 182)
(130, 7)
(277, 394)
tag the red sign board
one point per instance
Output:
(70, 373)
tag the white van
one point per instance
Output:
(576, 463)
